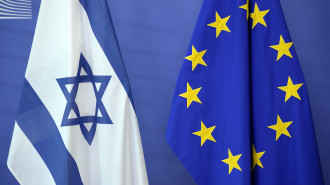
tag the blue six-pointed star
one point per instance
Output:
(70, 88)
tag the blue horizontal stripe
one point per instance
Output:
(40, 128)
(102, 26)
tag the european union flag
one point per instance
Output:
(240, 111)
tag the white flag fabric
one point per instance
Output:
(76, 123)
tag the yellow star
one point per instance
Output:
(281, 128)
(258, 16)
(291, 90)
(220, 24)
(205, 133)
(282, 48)
(256, 157)
(191, 95)
(196, 58)
(246, 7)
(232, 161)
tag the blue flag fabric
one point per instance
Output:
(240, 111)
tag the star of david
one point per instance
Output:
(84, 92)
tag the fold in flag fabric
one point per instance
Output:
(76, 123)
(240, 112)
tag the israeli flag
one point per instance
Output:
(76, 123)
